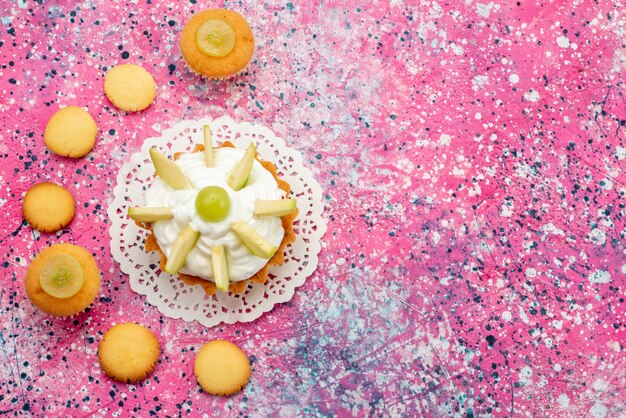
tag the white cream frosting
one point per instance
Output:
(261, 186)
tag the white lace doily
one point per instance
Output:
(168, 293)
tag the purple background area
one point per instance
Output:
(472, 160)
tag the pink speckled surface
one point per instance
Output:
(472, 159)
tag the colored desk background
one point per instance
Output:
(472, 156)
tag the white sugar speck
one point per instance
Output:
(525, 375)
(598, 410)
(597, 236)
(506, 210)
(563, 400)
(600, 276)
(600, 385)
(484, 9)
(562, 41)
(479, 82)
(531, 96)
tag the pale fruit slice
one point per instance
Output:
(257, 245)
(149, 215)
(169, 171)
(215, 38)
(239, 177)
(184, 243)
(208, 147)
(220, 267)
(62, 276)
(274, 207)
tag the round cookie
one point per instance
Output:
(129, 87)
(48, 207)
(217, 66)
(71, 132)
(222, 368)
(128, 352)
(63, 306)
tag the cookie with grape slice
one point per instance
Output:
(217, 43)
(62, 280)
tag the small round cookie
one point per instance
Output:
(217, 43)
(48, 207)
(128, 352)
(57, 265)
(71, 132)
(129, 87)
(222, 368)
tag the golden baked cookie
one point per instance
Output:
(217, 43)
(71, 132)
(222, 368)
(48, 207)
(128, 352)
(58, 268)
(129, 87)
